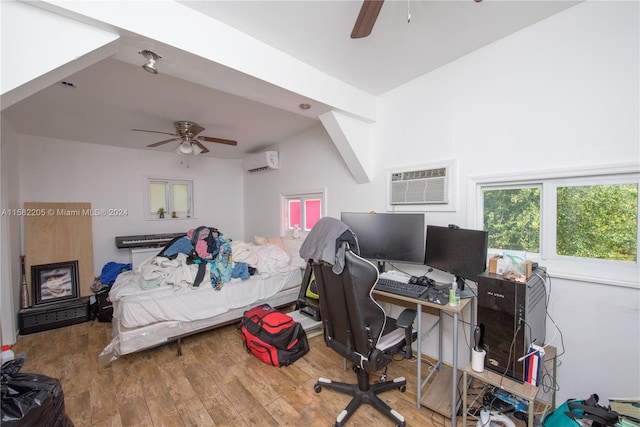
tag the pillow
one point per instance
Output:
(260, 241)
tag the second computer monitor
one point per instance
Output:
(461, 252)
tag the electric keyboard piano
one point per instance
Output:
(146, 240)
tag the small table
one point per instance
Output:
(524, 391)
(435, 398)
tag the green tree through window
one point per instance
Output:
(512, 218)
(598, 221)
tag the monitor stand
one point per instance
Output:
(381, 267)
(465, 291)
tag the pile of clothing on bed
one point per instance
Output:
(205, 255)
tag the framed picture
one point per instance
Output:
(54, 282)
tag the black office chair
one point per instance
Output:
(354, 325)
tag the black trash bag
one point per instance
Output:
(31, 399)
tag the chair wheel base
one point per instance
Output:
(365, 392)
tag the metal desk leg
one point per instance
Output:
(440, 333)
(454, 384)
(464, 398)
(531, 411)
(472, 323)
(419, 362)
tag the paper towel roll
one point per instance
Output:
(477, 360)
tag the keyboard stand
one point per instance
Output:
(432, 397)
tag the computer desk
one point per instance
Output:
(430, 398)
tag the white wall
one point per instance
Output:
(302, 169)
(114, 178)
(560, 94)
(10, 227)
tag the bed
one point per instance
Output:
(146, 316)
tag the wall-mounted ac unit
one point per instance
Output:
(419, 187)
(261, 162)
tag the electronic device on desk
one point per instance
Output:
(388, 237)
(458, 251)
(437, 296)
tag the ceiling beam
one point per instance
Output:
(352, 138)
(173, 24)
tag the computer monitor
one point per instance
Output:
(392, 237)
(458, 251)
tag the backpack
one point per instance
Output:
(568, 414)
(272, 336)
(105, 306)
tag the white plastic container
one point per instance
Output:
(7, 353)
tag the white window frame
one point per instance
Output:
(169, 197)
(285, 230)
(610, 272)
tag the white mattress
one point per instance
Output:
(167, 315)
(144, 307)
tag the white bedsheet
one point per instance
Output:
(134, 307)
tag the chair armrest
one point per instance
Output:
(405, 320)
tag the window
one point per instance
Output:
(597, 221)
(512, 218)
(175, 197)
(302, 210)
(585, 225)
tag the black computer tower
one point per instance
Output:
(512, 315)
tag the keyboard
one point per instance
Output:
(401, 288)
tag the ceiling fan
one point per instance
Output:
(186, 132)
(367, 18)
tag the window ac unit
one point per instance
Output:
(420, 187)
(261, 162)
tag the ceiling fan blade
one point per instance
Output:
(156, 144)
(218, 140)
(366, 18)
(195, 129)
(154, 131)
(202, 147)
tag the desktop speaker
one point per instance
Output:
(512, 315)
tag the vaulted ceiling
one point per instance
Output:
(102, 102)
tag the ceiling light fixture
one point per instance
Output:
(184, 148)
(151, 57)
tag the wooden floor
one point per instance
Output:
(215, 382)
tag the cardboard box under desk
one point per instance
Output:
(494, 266)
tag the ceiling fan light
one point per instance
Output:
(196, 150)
(185, 148)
